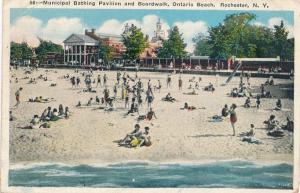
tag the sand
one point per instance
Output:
(177, 135)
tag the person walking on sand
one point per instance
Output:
(233, 117)
(17, 94)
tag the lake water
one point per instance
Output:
(233, 174)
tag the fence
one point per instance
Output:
(214, 64)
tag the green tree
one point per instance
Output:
(280, 40)
(46, 47)
(174, 46)
(202, 47)
(134, 41)
(230, 37)
(20, 51)
(105, 53)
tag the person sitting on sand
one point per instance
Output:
(34, 123)
(67, 113)
(89, 103)
(234, 92)
(145, 139)
(289, 125)
(247, 103)
(133, 107)
(129, 137)
(278, 105)
(272, 123)
(54, 116)
(197, 85)
(250, 133)
(210, 87)
(97, 100)
(148, 116)
(225, 111)
(257, 101)
(11, 117)
(169, 98)
(78, 104)
(191, 93)
(44, 116)
(270, 81)
(61, 110)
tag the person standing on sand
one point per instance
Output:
(180, 83)
(233, 117)
(17, 94)
(169, 81)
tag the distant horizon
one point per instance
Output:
(57, 24)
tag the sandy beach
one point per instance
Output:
(177, 135)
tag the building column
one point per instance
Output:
(64, 54)
(84, 55)
(80, 52)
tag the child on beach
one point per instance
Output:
(34, 123)
(17, 94)
(225, 111)
(67, 113)
(233, 117)
(247, 103)
(278, 105)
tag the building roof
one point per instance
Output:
(80, 38)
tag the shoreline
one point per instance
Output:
(95, 163)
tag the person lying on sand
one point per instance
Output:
(186, 106)
(40, 99)
(53, 84)
(169, 98)
(278, 105)
(247, 103)
(191, 93)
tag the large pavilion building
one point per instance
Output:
(80, 50)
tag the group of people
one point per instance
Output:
(136, 138)
(48, 115)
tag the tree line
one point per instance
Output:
(234, 36)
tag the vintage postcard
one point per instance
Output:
(150, 96)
